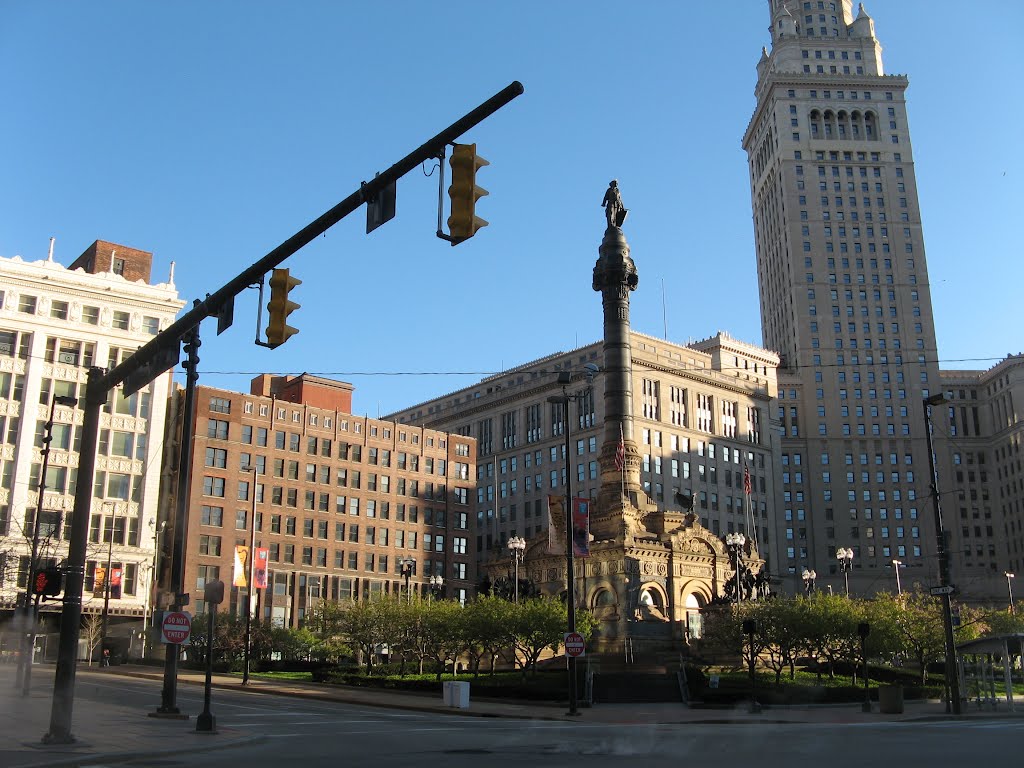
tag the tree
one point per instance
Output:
(781, 625)
(361, 624)
(921, 629)
(539, 623)
(444, 637)
(92, 631)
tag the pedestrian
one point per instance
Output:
(105, 662)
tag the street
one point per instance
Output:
(317, 733)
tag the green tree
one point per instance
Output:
(539, 623)
(443, 633)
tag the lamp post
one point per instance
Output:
(864, 629)
(406, 567)
(32, 608)
(436, 585)
(952, 677)
(1009, 587)
(565, 378)
(735, 543)
(250, 577)
(808, 576)
(896, 565)
(845, 557)
(106, 578)
(517, 549)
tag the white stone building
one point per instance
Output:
(56, 322)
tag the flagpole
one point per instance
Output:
(748, 492)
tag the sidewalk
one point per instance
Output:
(26, 720)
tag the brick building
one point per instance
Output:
(340, 500)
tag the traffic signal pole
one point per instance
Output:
(152, 359)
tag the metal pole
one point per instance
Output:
(515, 556)
(251, 591)
(952, 675)
(32, 607)
(106, 583)
(169, 692)
(63, 701)
(1009, 588)
(736, 551)
(569, 565)
(206, 722)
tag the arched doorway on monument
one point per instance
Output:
(651, 606)
(694, 623)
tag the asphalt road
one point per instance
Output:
(301, 733)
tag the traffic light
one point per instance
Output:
(278, 330)
(48, 582)
(463, 222)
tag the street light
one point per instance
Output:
(106, 576)
(436, 585)
(808, 576)
(735, 542)
(250, 577)
(845, 557)
(517, 549)
(1009, 587)
(952, 677)
(896, 565)
(564, 379)
(407, 566)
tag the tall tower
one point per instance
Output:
(844, 296)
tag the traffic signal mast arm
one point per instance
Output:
(215, 302)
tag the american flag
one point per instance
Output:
(746, 481)
(620, 451)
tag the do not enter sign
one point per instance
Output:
(574, 644)
(176, 627)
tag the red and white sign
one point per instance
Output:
(574, 644)
(176, 628)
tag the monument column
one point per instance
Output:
(615, 276)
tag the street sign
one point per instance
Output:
(574, 644)
(176, 628)
(949, 589)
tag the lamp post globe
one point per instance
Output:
(809, 577)
(845, 557)
(517, 549)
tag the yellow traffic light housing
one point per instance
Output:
(278, 330)
(463, 222)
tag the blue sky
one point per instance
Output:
(209, 132)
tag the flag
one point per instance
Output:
(99, 579)
(241, 578)
(746, 481)
(554, 539)
(259, 574)
(115, 583)
(620, 451)
(581, 527)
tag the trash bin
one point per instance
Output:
(455, 694)
(890, 699)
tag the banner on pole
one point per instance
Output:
(581, 527)
(555, 514)
(259, 574)
(99, 581)
(241, 575)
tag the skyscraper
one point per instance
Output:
(845, 295)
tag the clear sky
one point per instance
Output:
(209, 132)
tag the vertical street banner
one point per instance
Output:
(259, 575)
(115, 583)
(241, 575)
(581, 527)
(99, 581)
(555, 504)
